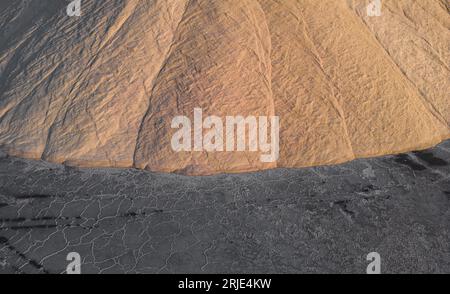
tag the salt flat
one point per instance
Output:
(311, 220)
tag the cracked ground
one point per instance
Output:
(311, 220)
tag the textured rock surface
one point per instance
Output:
(311, 220)
(101, 90)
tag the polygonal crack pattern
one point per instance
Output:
(311, 220)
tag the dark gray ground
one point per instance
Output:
(313, 220)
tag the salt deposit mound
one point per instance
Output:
(101, 90)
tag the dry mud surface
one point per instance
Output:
(312, 220)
